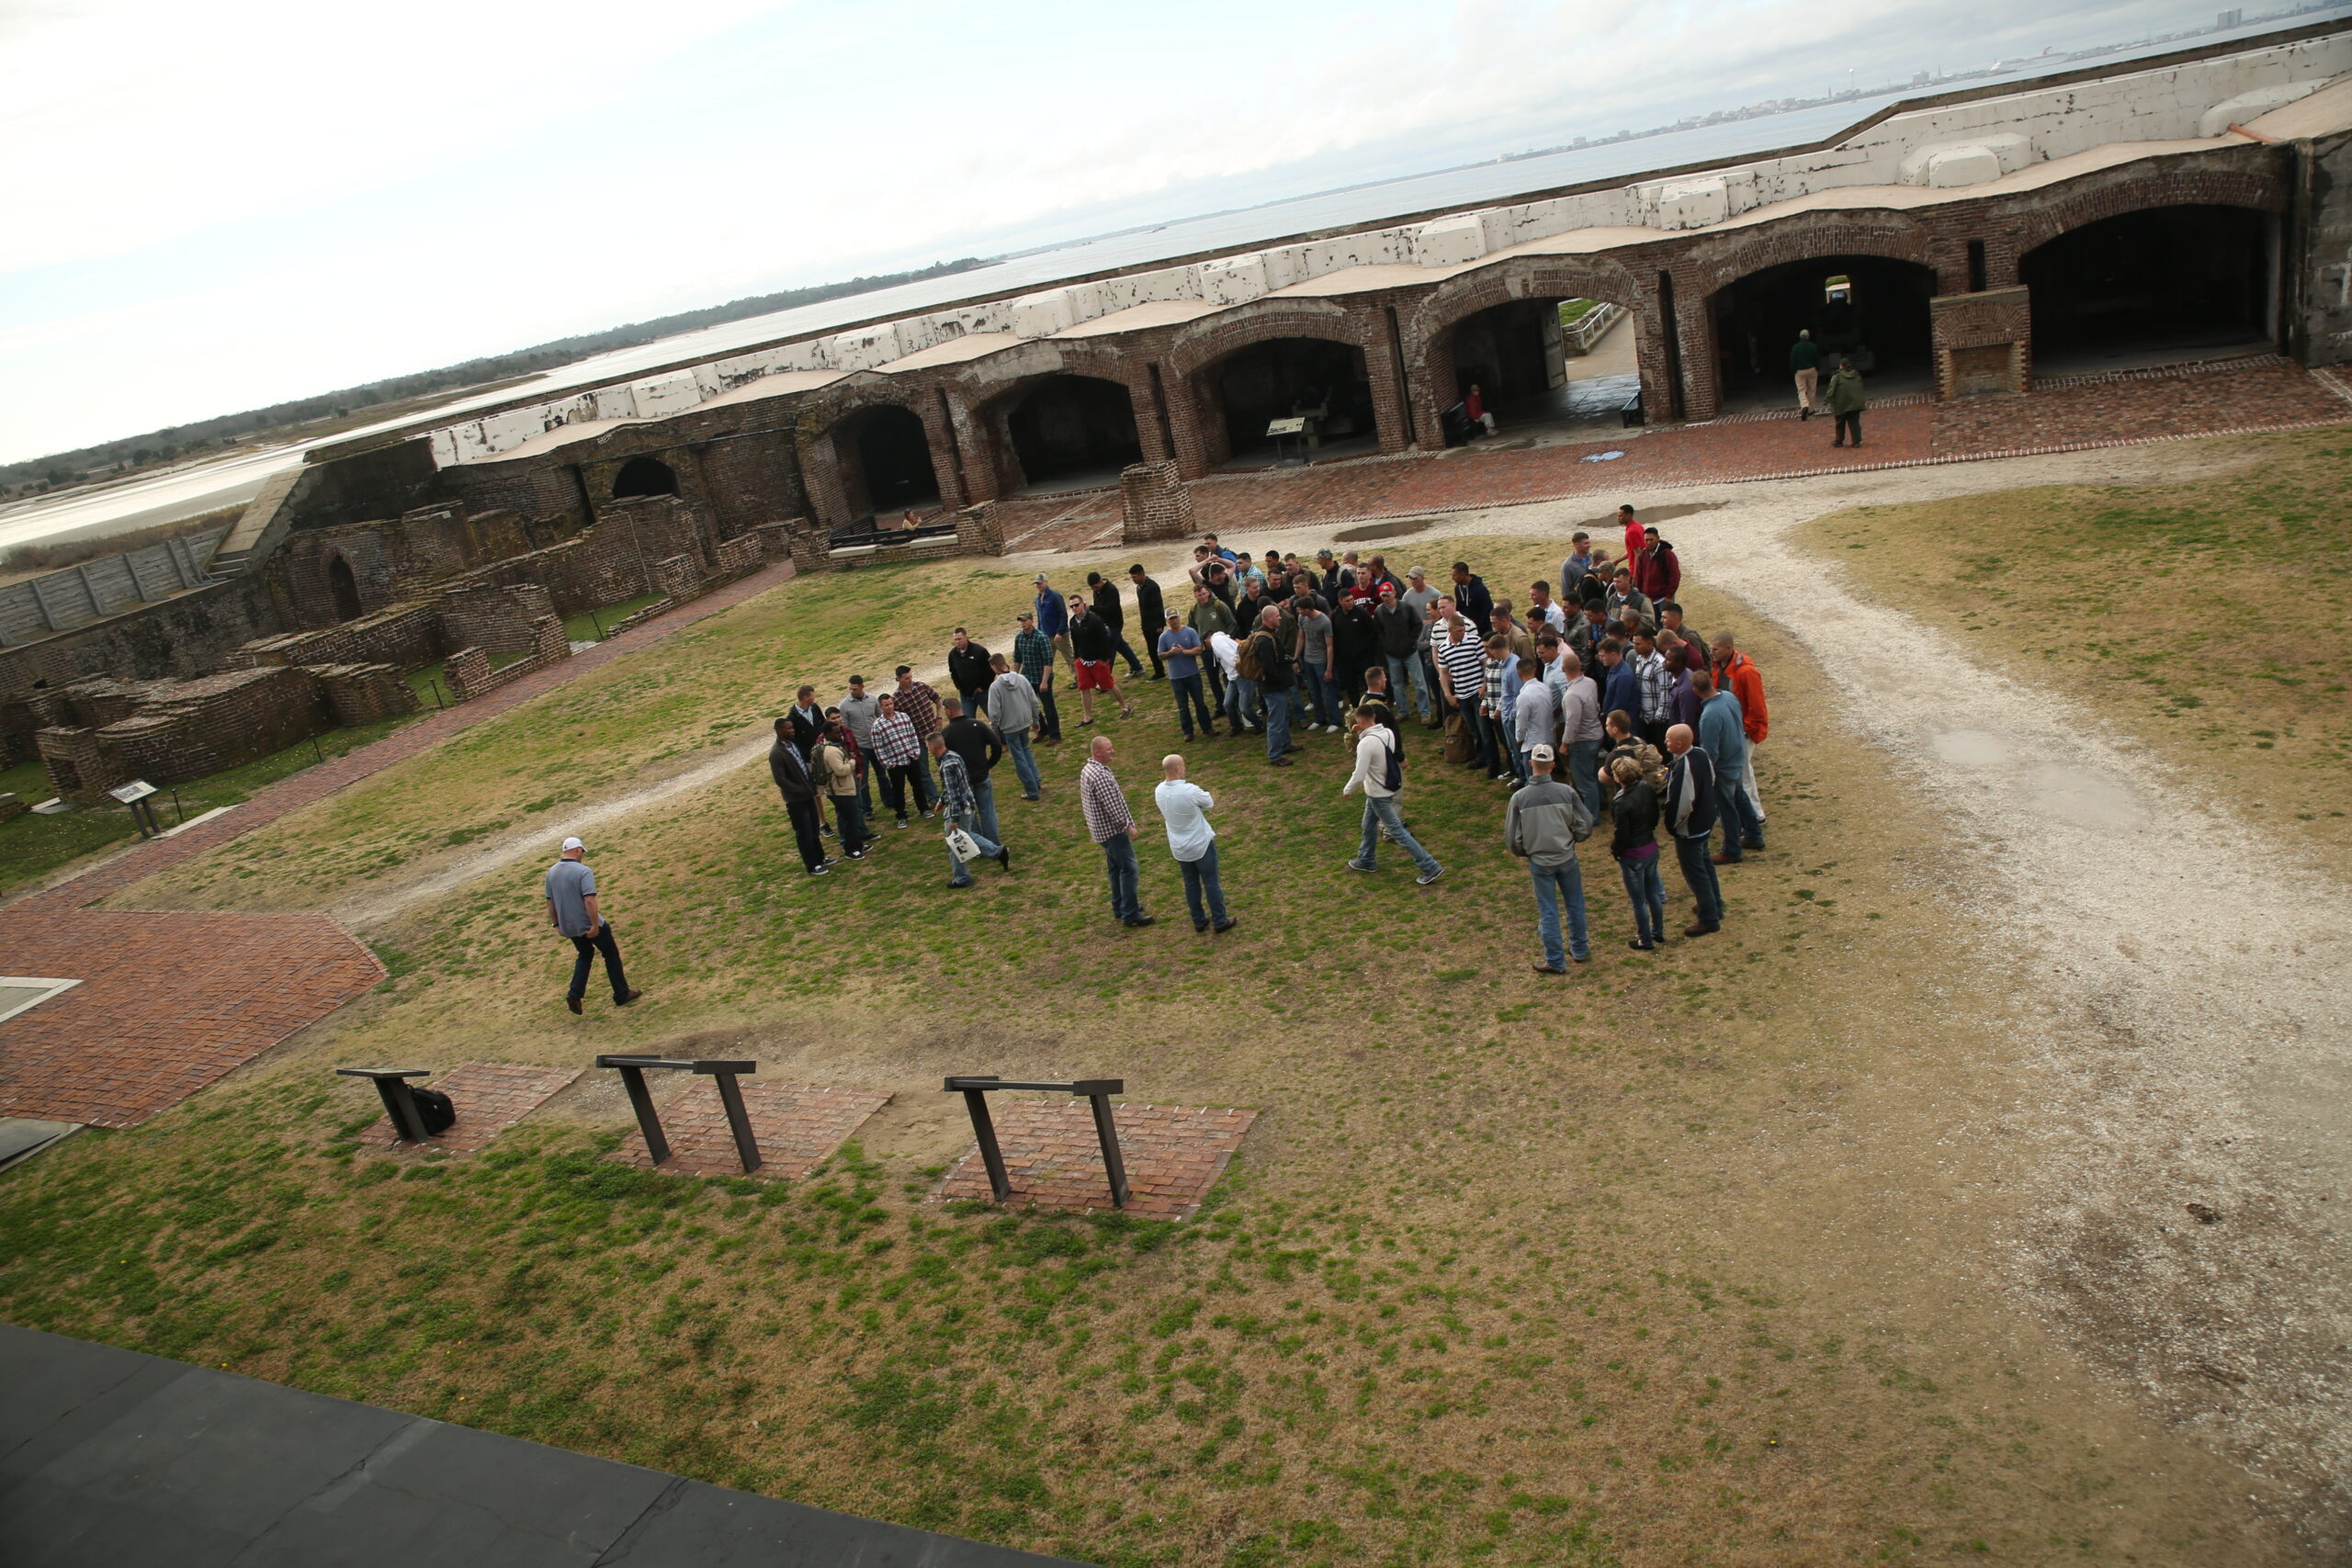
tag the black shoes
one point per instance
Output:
(1004, 858)
(1138, 921)
(571, 1003)
(1225, 924)
(624, 1001)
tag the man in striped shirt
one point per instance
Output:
(898, 751)
(1033, 655)
(1461, 676)
(1110, 824)
(1649, 670)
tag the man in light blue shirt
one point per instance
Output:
(1184, 806)
(1724, 739)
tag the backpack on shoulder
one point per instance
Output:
(1392, 773)
(1247, 663)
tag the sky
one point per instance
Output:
(212, 208)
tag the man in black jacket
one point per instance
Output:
(1151, 614)
(1114, 615)
(1275, 685)
(1690, 814)
(967, 667)
(980, 748)
(798, 787)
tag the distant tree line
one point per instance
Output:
(132, 452)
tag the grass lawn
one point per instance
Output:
(33, 846)
(2212, 620)
(1660, 1263)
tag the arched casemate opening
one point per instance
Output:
(1318, 380)
(2161, 285)
(644, 476)
(885, 462)
(1069, 432)
(1872, 310)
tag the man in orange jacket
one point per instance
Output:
(1736, 673)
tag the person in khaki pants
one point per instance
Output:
(1804, 363)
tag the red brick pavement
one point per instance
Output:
(172, 1000)
(167, 1003)
(1174, 1153)
(798, 1126)
(488, 1098)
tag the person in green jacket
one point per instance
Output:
(1846, 400)
(1804, 363)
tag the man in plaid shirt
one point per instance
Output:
(898, 751)
(1033, 655)
(918, 702)
(1649, 668)
(960, 806)
(1111, 825)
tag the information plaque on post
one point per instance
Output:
(135, 794)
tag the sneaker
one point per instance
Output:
(857, 854)
(966, 883)
(820, 868)
(1700, 930)
(1280, 762)
(1359, 865)
(900, 823)
(1581, 957)
(1429, 876)
(1548, 969)
(1225, 924)
(1032, 798)
(1330, 729)
(1137, 922)
(624, 1001)
(571, 1003)
(1638, 945)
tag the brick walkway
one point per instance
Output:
(1053, 1160)
(171, 999)
(2259, 393)
(797, 1127)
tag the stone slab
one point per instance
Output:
(111, 1459)
(1053, 1158)
(799, 1126)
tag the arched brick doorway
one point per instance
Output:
(2157, 285)
(1871, 309)
(343, 587)
(1284, 377)
(644, 476)
(1066, 431)
(1543, 360)
(884, 458)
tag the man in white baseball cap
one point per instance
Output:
(572, 906)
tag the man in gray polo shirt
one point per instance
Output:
(858, 712)
(571, 906)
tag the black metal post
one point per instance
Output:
(1109, 1133)
(730, 1094)
(641, 1101)
(400, 1099)
(984, 1129)
(179, 812)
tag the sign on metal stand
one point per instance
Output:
(1098, 1093)
(143, 811)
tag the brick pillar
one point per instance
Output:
(978, 532)
(1200, 435)
(946, 451)
(1982, 343)
(809, 547)
(1694, 319)
(1156, 504)
(1389, 393)
(1429, 381)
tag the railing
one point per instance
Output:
(1579, 335)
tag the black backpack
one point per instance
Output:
(1392, 777)
(436, 1109)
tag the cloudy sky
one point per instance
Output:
(214, 206)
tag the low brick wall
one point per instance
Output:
(405, 635)
(185, 729)
(739, 558)
(498, 619)
(679, 579)
(363, 693)
(1155, 503)
(470, 674)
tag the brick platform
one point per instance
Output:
(488, 1097)
(799, 1126)
(172, 1000)
(167, 1003)
(1174, 1153)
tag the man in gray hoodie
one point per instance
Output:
(1013, 708)
(1542, 825)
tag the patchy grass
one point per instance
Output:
(1652, 1265)
(2213, 619)
(629, 723)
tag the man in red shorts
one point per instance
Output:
(1092, 644)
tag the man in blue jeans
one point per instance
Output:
(1178, 652)
(1275, 683)
(1723, 736)
(1012, 709)
(571, 906)
(1184, 807)
(1689, 811)
(1541, 826)
(959, 806)
(1110, 824)
(1380, 774)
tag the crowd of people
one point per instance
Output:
(1592, 701)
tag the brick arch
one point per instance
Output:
(993, 469)
(2031, 224)
(1195, 353)
(816, 427)
(1427, 329)
(1714, 261)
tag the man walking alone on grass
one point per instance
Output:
(1111, 825)
(798, 787)
(572, 908)
(1542, 825)
(1380, 774)
(1184, 806)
